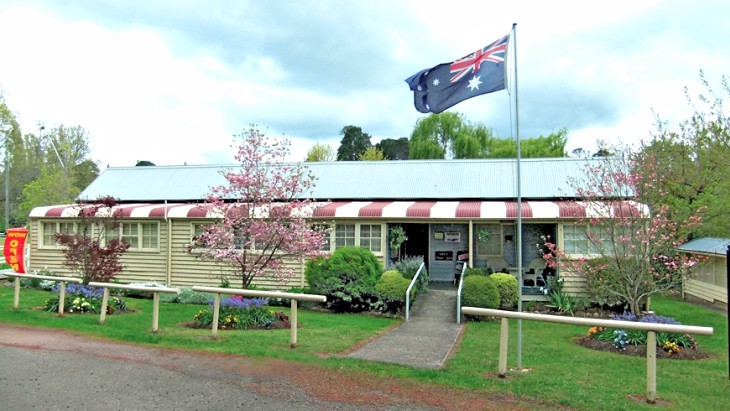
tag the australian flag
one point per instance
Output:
(440, 87)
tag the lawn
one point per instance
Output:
(561, 372)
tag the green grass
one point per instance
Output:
(562, 372)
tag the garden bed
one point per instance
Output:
(639, 350)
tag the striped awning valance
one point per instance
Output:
(458, 210)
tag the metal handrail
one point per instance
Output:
(458, 295)
(408, 291)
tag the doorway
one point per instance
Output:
(417, 241)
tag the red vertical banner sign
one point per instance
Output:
(15, 247)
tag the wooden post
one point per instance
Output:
(155, 310)
(293, 323)
(651, 367)
(503, 344)
(16, 296)
(216, 311)
(104, 303)
(61, 297)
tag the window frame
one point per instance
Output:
(120, 234)
(497, 236)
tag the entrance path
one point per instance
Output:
(426, 341)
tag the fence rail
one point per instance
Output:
(294, 297)
(650, 328)
(458, 294)
(61, 289)
(408, 291)
(155, 299)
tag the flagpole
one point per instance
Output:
(519, 205)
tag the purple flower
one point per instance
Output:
(236, 301)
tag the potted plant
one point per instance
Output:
(396, 236)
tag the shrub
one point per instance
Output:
(476, 271)
(391, 289)
(285, 302)
(507, 288)
(142, 294)
(409, 267)
(188, 296)
(347, 278)
(480, 291)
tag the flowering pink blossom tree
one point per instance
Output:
(261, 208)
(631, 254)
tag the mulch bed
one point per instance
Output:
(640, 350)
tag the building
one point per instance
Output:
(709, 284)
(444, 206)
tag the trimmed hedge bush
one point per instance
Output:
(409, 267)
(480, 291)
(391, 289)
(507, 288)
(476, 271)
(347, 278)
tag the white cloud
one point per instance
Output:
(171, 83)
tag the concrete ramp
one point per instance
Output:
(426, 341)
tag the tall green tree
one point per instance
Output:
(688, 162)
(320, 152)
(448, 135)
(10, 140)
(372, 154)
(354, 142)
(394, 149)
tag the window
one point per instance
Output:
(130, 234)
(49, 231)
(492, 245)
(150, 236)
(344, 235)
(371, 236)
(139, 236)
(327, 246)
(51, 228)
(575, 239)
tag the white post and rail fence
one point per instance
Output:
(155, 298)
(650, 328)
(294, 297)
(61, 290)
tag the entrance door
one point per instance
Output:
(417, 243)
(447, 241)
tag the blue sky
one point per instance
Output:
(173, 81)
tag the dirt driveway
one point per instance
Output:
(52, 369)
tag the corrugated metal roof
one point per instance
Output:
(707, 245)
(365, 180)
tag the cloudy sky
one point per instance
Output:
(173, 81)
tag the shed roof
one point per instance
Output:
(546, 178)
(706, 245)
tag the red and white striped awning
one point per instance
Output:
(461, 210)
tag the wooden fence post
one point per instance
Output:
(503, 344)
(216, 312)
(61, 297)
(651, 367)
(293, 323)
(104, 303)
(16, 296)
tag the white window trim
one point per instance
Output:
(383, 235)
(139, 248)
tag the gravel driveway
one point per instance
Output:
(55, 370)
